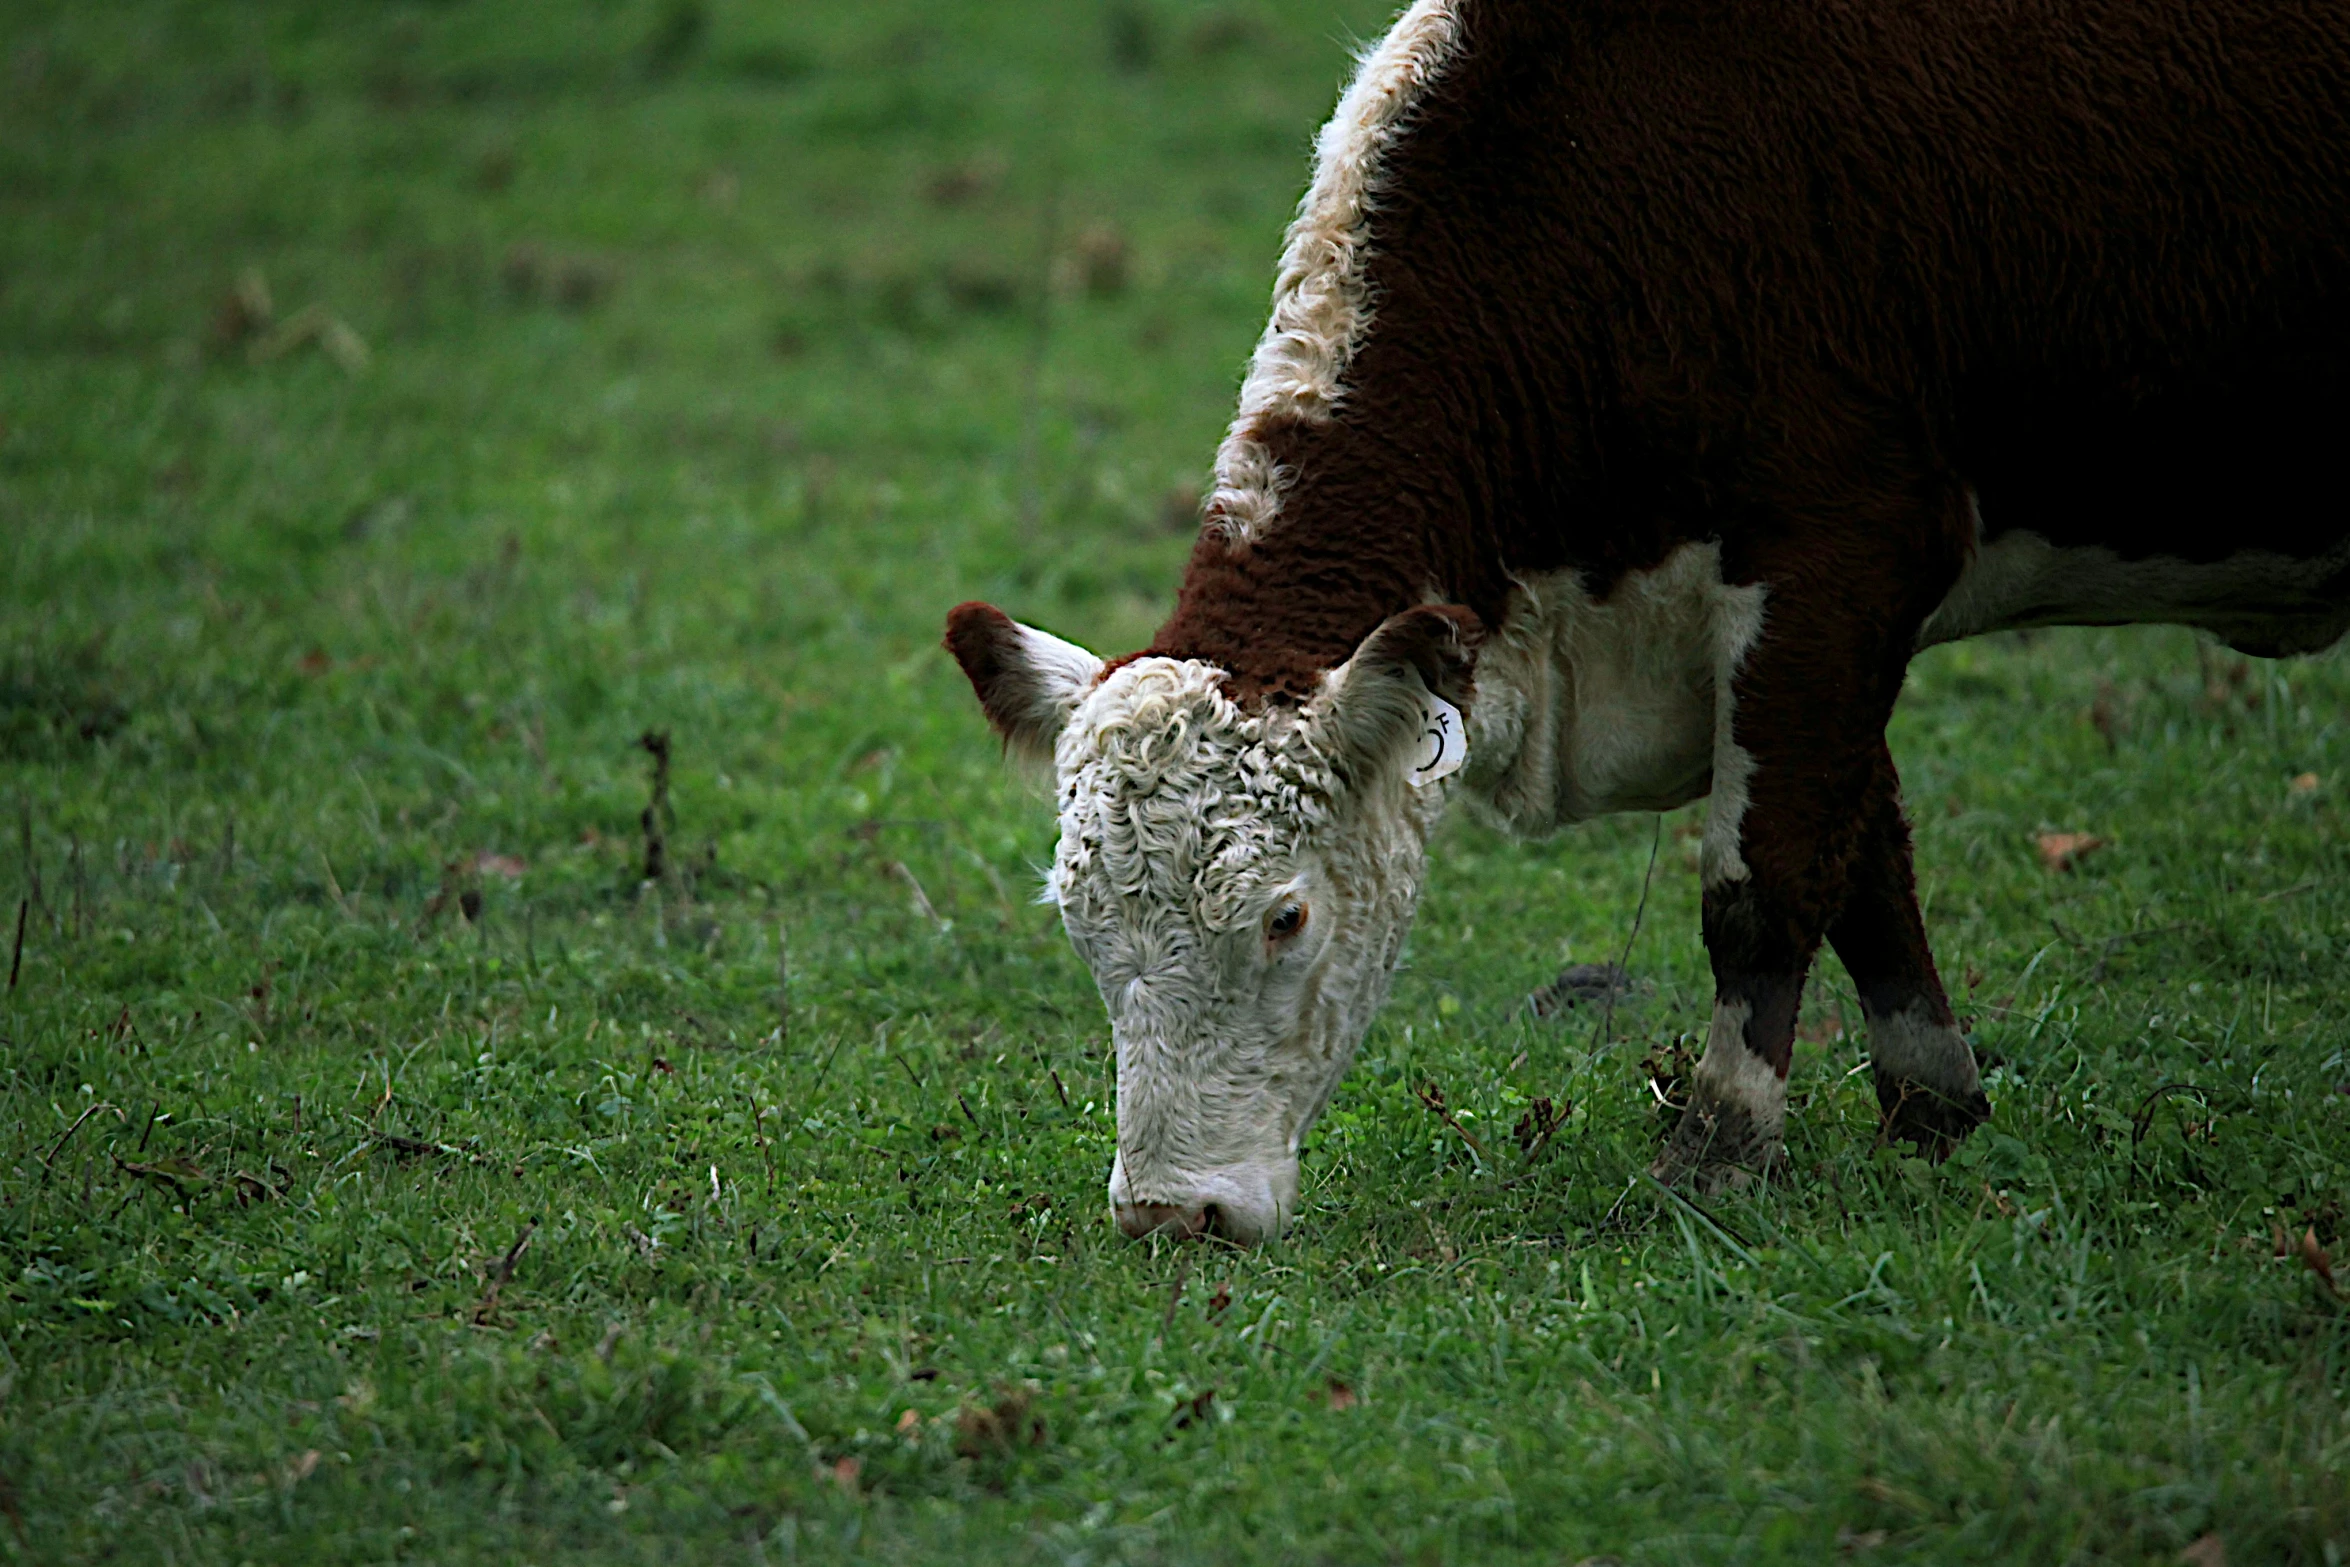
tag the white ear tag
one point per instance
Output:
(1443, 744)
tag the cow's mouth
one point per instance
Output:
(1245, 1205)
(1140, 1220)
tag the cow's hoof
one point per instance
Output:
(1717, 1148)
(1931, 1121)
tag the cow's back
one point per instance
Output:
(1628, 278)
(2099, 252)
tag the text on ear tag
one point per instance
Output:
(1443, 744)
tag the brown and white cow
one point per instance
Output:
(1648, 383)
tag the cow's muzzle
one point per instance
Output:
(1246, 1205)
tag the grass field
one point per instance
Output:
(404, 409)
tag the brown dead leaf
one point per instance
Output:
(302, 1468)
(966, 182)
(2226, 681)
(2313, 1257)
(2061, 851)
(506, 865)
(2210, 1551)
(1339, 1397)
(2303, 783)
(244, 311)
(252, 1188)
(997, 1430)
(1670, 1069)
(2104, 714)
(316, 662)
(909, 1425)
(494, 170)
(1192, 1411)
(1102, 260)
(1853, 1541)
(1823, 1030)
(1221, 1301)
(842, 1472)
(1540, 1123)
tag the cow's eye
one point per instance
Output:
(1285, 922)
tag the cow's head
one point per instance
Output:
(1239, 879)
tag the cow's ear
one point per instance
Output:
(1374, 711)
(1027, 681)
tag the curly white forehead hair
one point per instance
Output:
(1171, 790)
(1238, 879)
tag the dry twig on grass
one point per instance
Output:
(1433, 1097)
(1175, 1294)
(500, 1273)
(658, 816)
(50, 1157)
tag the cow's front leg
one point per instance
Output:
(1801, 710)
(1927, 1085)
(1763, 923)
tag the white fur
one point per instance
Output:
(1729, 1075)
(2255, 596)
(1586, 707)
(1184, 822)
(1058, 674)
(1321, 302)
(1909, 1044)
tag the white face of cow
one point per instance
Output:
(1240, 883)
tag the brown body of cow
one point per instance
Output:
(1909, 319)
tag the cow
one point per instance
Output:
(1644, 385)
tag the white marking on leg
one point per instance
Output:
(1732, 1077)
(1321, 299)
(1911, 1046)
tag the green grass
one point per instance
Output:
(706, 368)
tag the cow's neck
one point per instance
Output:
(1338, 493)
(1353, 537)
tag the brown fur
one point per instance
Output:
(1798, 279)
(985, 642)
(1734, 269)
